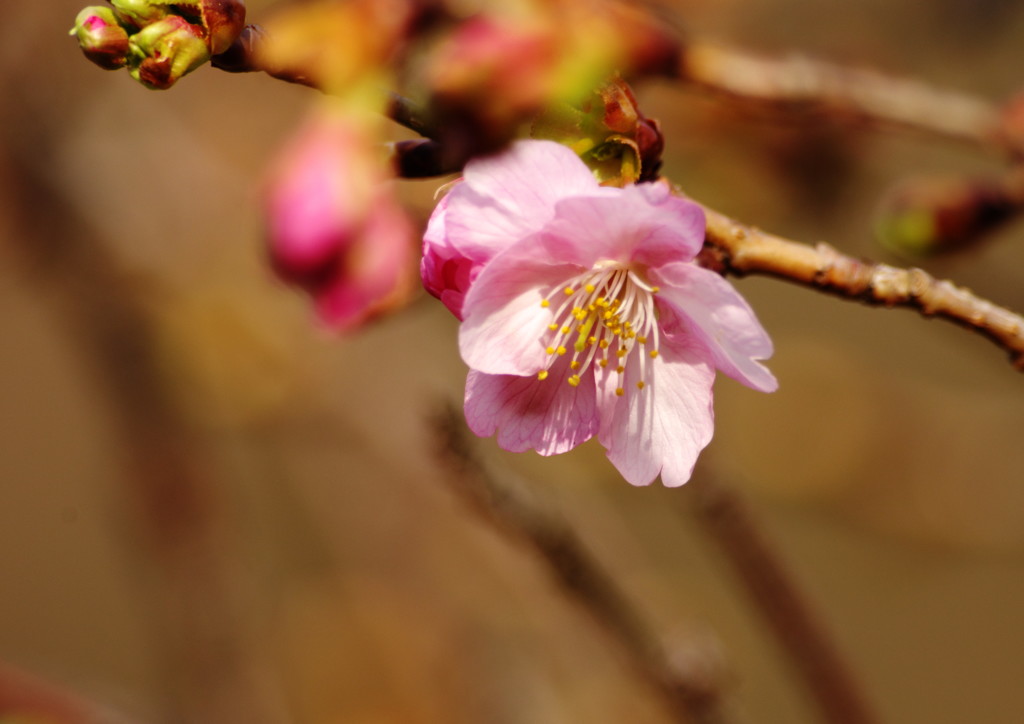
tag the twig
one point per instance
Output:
(735, 248)
(579, 575)
(729, 522)
(799, 83)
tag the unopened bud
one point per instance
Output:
(102, 39)
(223, 21)
(220, 20)
(933, 215)
(335, 227)
(140, 13)
(609, 133)
(166, 50)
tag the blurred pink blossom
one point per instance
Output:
(335, 227)
(584, 313)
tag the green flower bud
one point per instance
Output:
(140, 13)
(164, 51)
(102, 39)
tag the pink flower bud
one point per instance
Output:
(102, 39)
(335, 228)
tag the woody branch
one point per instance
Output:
(732, 247)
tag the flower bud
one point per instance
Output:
(223, 21)
(166, 50)
(608, 131)
(933, 215)
(102, 39)
(335, 228)
(140, 13)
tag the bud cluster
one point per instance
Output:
(158, 41)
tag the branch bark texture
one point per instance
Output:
(735, 248)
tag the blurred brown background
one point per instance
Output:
(268, 536)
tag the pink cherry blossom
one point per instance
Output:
(583, 312)
(335, 227)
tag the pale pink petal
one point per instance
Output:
(721, 318)
(505, 324)
(549, 416)
(508, 196)
(630, 228)
(662, 428)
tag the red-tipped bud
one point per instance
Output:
(102, 39)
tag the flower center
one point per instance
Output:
(606, 316)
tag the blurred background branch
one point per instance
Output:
(177, 530)
(579, 575)
(772, 592)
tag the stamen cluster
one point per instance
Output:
(605, 314)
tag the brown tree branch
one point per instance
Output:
(801, 84)
(577, 573)
(735, 248)
(730, 523)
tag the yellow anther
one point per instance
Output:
(619, 392)
(603, 344)
(654, 353)
(655, 290)
(574, 380)
(640, 385)
(620, 369)
(591, 340)
(542, 375)
(553, 326)
(568, 291)
(561, 350)
(603, 363)
(550, 350)
(545, 303)
(641, 339)
(575, 364)
(620, 352)
(565, 329)
(590, 288)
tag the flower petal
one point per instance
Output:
(513, 194)
(663, 427)
(504, 323)
(721, 318)
(640, 225)
(549, 416)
